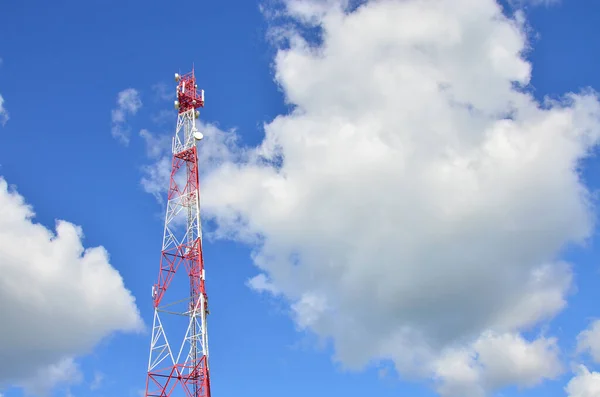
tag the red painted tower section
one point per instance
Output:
(178, 363)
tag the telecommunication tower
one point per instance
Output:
(186, 364)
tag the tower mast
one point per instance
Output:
(175, 299)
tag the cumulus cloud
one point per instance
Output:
(495, 361)
(588, 341)
(260, 283)
(584, 384)
(128, 103)
(51, 280)
(415, 200)
(3, 112)
(64, 373)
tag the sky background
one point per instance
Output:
(63, 66)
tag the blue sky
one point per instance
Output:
(63, 65)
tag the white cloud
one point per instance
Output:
(3, 112)
(63, 373)
(164, 117)
(495, 361)
(128, 103)
(156, 175)
(261, 283)
(584, 384)
(156, 145)
(415, 201)
(589, 341)
(54, 285)
(164, 92)
(4, 116)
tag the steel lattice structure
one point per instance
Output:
(187, 366)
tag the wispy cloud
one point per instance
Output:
(164, 116)
(163, 92)
(3, 112)
(128, 103)
(65, 372)
(97, 381)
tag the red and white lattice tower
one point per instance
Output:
(178, 363)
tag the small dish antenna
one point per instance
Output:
(198, 135)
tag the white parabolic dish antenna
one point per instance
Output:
(198, 135)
